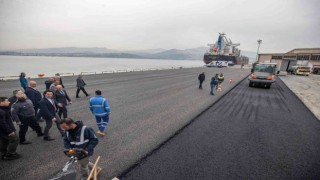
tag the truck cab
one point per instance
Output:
(262, 74)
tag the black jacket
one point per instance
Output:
(214, 81)
(48, 110)
(62, 98)
(201, 77)
(22, 109)
(6, 124)
(34, 95)
(48, 84)
(72, 138)
(12, 100)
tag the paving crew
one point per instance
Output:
(82, 137)
(213, 84)
(100, 108)
(8, 138)
(23, 114)
(220, 78)
(201, 78)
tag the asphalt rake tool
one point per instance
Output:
(74, 155)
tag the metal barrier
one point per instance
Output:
(66, 74)
(104, 72)
(87, 73)
(8, 78)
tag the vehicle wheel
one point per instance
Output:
(250, 84)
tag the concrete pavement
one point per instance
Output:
(307, 88)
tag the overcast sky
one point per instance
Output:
(145, 24)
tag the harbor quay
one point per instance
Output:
(147, 109)
(250, 133)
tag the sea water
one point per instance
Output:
(49, 66)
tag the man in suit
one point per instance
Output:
(34, 95)
(62, 97)
(49, 109)
(80, 86)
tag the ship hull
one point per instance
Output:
(208, 58)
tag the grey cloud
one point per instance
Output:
(142, 24)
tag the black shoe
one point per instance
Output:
(25, 142)
(39, 135)
(88, 95)
(77, 96)
(48, 139)
(12, 156)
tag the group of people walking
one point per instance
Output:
(215, 81)
(29, 106)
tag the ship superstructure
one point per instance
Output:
(224, 50)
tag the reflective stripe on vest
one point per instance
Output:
(96, 105)
(82, 141)
(100, 114)
(103, 100)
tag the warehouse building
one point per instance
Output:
(302, 56)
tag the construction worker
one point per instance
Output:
(81, 137)
(100, 108)
(213, 85)
(220, 78)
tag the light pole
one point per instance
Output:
(259, 42)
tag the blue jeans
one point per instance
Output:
(213, 88)
(102, 122)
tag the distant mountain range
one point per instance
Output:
(186, 54)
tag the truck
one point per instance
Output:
(300, 70)
(262, 74)
(218, 64)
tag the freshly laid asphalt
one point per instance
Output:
(251, 133)
(147, 109)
